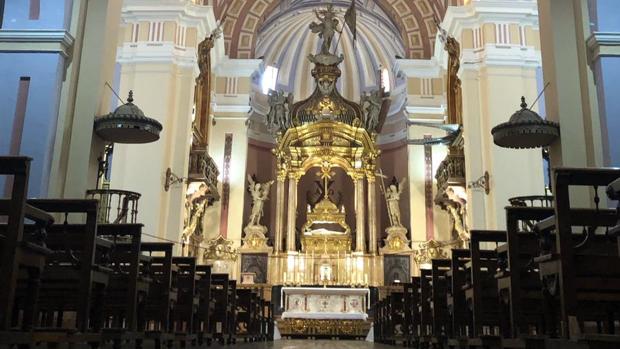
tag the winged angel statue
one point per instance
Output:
(260, 194)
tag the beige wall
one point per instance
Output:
(417, 190)
(163, 92)
(490, 96)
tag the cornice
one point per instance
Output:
(237, 67)
(148, 52)
(420, 68)
(28, 40)
(501, 55)
(603, 44)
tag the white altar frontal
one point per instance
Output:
(324, 311)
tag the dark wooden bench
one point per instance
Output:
(412, 316)
(585, 272)
(188, 300)
(125, 296)
(424, 307)
(481, 289)
(76, 274)
(162, 295)
(223, 310)
(19, 253)
(201, 321)
(442, 324)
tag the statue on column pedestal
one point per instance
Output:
(254, 231)
(396, 240)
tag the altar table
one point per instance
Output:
(325, 303)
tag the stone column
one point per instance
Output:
(372, 215)
(277, 243)
(292, 213)
(360, 215)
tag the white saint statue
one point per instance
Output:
(260, 194)
(392, 197)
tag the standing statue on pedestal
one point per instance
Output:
(392, 196)
(260, 194)
(254, 231)
(371, 104)
(396, 240)
(278, 115)
(327, 27)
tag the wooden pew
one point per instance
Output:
(589, 287)
(424, 307)
(439, 294)
(223, 308)
(188, 300)
(125, 296)
(455, 298)
(162, 295)
(19, 252)
(244, 314)
(412, 316)
(76, 274)
(201, 321)
(481, 290)
(518, 280)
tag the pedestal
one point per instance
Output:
(255, 239)
(396, 240)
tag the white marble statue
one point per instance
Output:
(260, 194)
(392, 197)
(371, 104)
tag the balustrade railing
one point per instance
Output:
(532, 201)
(115, 206)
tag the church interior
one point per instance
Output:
(310, 173)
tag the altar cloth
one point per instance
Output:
(324, 315)
(325, 303)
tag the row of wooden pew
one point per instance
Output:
(65, 278)
(550, 280)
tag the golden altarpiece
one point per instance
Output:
(314, 136)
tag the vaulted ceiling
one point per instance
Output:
(414, 19)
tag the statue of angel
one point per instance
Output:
(278, 115)
(260, 194)
(392, 197)
(371, 104)
(327, 27)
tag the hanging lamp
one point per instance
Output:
(525, 129)
(127, 124)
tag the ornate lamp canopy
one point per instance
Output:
(525, 129)
(127, 124)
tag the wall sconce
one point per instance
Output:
(482, 182)
(172, 179)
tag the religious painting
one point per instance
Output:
(255, 263)
(395, 269)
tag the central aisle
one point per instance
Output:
(312, 344)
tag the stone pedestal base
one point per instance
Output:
(255, 239)
(396, 240)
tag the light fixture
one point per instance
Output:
(127, 124)
(525, 129)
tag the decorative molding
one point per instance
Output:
(441, 110)
(501, 55)
(27, 40)
(218, 108)
(162, 52)
(237, 67)
(420, 68)
(603, 44)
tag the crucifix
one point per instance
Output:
(326, 174)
